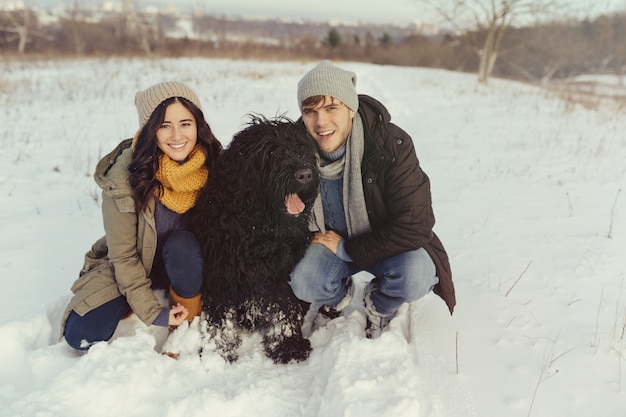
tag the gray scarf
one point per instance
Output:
(353, 197)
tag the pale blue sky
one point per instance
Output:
(378, 11)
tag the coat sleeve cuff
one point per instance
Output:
(163, 318)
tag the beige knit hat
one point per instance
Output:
(149, 99)
(327, 79)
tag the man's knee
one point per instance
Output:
(423, 275)
(301, 286)
(318, 275)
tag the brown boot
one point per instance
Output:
(193, 304)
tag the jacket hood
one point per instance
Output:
(111, 173)
(369, 105)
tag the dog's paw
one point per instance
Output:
(223, 339)
(288, 349)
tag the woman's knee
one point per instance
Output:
(80, 334)
(98, 325)
(181, 244)
(183, 263)
(73, 334)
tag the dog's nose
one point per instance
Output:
(304, 175)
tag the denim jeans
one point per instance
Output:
(183, 263)
(322, 278)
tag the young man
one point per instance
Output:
(374, 210)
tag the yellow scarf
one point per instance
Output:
(182, 182)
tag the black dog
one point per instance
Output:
(252, 223)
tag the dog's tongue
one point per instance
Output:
(293, 204)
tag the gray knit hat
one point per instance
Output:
(327, 79)
(149, 99)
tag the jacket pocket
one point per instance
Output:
(102, 272)
(96, 256)
(88, 299)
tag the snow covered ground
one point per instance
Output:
(529, 197)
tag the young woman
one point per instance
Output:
(148, 183)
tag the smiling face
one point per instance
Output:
(329, 122)
(178, 133)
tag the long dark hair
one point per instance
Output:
(145, 160)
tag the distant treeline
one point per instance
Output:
(553, 50)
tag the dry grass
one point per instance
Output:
(591, 95)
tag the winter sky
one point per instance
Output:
(374, 11)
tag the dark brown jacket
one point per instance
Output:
(397, 198)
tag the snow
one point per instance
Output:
(528, 194)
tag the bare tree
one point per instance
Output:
(20, 23)
(141, 27)
(491, 17)
(73, 24)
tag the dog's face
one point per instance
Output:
(274, 162)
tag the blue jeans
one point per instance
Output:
(183, 264)
(322, 278)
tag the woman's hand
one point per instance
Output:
(178, 314)
(330, 239)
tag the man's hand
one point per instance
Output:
(330, 240)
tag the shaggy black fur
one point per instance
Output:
(250, 243)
